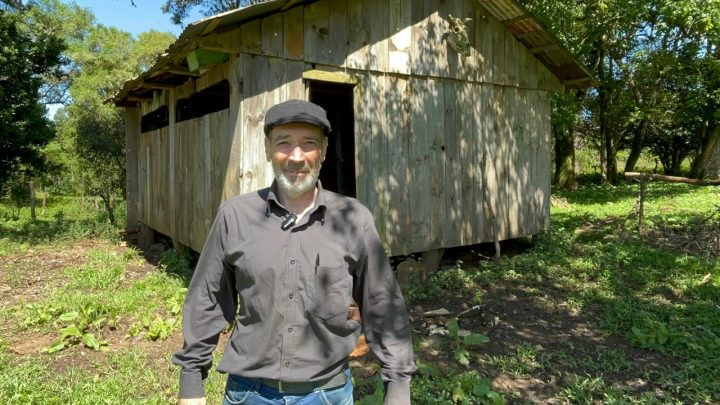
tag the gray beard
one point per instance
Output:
(298, 188)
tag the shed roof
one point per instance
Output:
(170, 69)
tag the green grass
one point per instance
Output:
(652, 296)
(649, 295)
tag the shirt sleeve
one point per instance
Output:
(385, 319)
(209, 307)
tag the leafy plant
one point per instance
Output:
(82, 326)
(461, 353)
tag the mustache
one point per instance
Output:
(297, 166)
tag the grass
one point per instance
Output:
(651, 301)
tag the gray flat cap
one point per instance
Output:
(292, 111)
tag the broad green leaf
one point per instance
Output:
(91, 341)
(70, 331)
(496, 398)
(69, 316)
(475, 340)
(453, 328)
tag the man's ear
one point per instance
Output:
(325, 143)
(268, 153)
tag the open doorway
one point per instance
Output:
(338, 172)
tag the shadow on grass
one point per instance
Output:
(592, 285)
(603, 194)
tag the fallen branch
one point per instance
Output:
(671, 179)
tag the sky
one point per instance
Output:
(146, 15)
(121, 14)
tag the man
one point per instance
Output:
(285, 263)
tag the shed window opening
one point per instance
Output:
(155, 120)
(212, 99)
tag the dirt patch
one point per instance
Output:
(30, 275)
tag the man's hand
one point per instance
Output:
(192, 401)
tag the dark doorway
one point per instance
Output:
(338, 171)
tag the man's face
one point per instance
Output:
(296, 151)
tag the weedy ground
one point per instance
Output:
(595, 310)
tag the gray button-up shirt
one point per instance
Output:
(289, 292)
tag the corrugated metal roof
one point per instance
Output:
(169, 70)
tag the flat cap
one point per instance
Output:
(292, 111)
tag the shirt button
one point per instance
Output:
(289, 329)
(292, 261)
(291, 295)
(287, 364)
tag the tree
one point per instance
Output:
(94, 130)
(26, 56)
(180, 9)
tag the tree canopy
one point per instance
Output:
(656, 63)
(27, 55)
(180, 9)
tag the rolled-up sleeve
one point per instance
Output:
(386, 323)
(209, 307)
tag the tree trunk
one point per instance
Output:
(564, 159)
(32, 200)
(701, 161)
(105, 196)
(636, 148)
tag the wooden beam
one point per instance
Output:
(573, 82)
(544, 48)
(179, 70)
(671, 179)
(288, 5)
(156, 85)
(333, 77)
(513, 20)
(137, 98)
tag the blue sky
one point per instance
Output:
(121, 14)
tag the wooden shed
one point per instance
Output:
(445, 138)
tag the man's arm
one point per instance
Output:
(386, 323)
(209, 306)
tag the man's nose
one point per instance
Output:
(297, 154)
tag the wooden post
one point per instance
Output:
(132, 195)
(641, 203)
(431, 259)
(32, 200)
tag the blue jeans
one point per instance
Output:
(248, 391)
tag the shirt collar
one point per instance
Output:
(273, 202)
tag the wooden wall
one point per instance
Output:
(450, 150)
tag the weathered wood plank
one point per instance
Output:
(421, 52)
(378, 17)
(317, 30)
(231, 184)
(251, 37)
(418, 184)
(362, 95)
(453, 173)
(466, 161)
(358, 36)
(252, 172)
(272, 28)
(338, 33)
(484, 39)
(436, 136)
(380, 171)
(293, 33)
(397, 113)
(499, 34)
(478, 112)
(437, 27)
(400, 31)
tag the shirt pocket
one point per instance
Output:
(331, 292)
